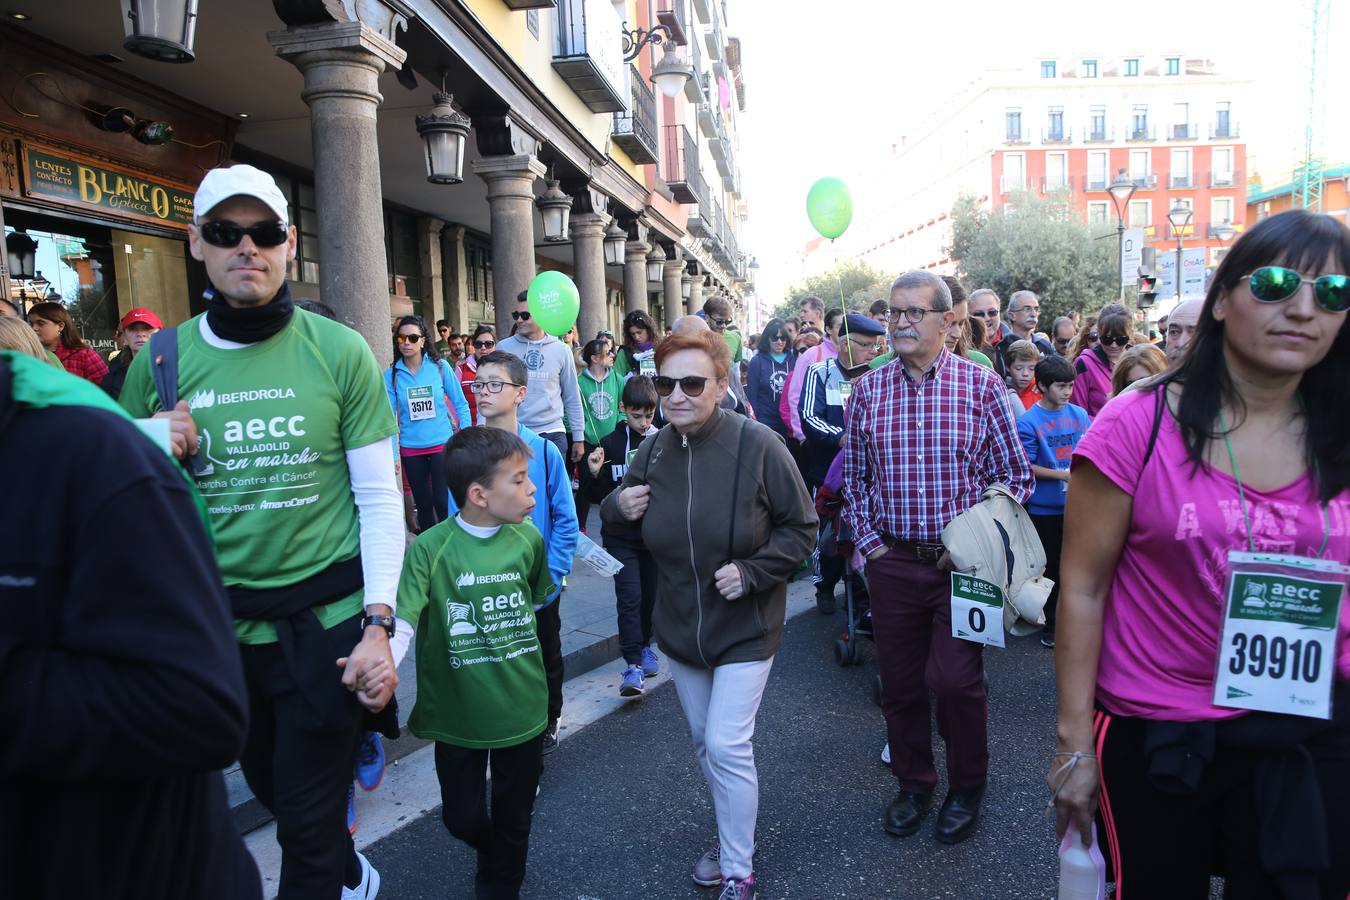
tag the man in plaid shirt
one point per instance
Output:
(925, 435)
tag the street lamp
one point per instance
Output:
(21, 251)
(656, 263)
(615, 241)
(671, 73)
(1121, 190)
(555, 208)
(443, 131)
(1180, 217)
(161, 30)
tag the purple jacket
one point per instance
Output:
(1092, 388)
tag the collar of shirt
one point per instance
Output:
(934, 371)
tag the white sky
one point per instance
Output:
(829, 85)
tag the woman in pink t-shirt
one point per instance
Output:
(1241, 447)
(1094, 366)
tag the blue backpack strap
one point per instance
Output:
(164, 367)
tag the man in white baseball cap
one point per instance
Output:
(290, 413)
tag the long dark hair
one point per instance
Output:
(1300, 240)
(428, 348)
(59, 315)
(772, 329)
(638, 318)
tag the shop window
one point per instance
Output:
(478, 262)
(405, 270)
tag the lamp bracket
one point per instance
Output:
(638, 38)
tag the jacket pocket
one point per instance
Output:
(759, 616)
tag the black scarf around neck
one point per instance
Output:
(248, 324)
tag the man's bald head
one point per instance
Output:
(1181, 327)
(689, 325)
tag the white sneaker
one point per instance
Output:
(886, 754)
(369, 887)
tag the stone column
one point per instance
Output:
(510, 190)
(696, 293)
(341, 63)
(635, 268)
(588, 261)
(672, 300)
(432, 271)
(454, 264)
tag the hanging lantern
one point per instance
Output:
(22, 253)
(686, 286)
(444, 131)
(161, 30)
(671, 73)
(656, 263)
(555, 208)
(615, 241)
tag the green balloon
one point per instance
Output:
(554, 302)
(829, 207)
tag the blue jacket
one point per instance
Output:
(435, 382)
(555, 512)
(822, 414)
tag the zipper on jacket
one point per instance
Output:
(689, 526)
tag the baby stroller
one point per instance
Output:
(835, 547)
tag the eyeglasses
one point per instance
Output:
(228, 234)
(408, 338)
(484, 345)
(1273, 284)
(987, 314)
(1115, 340)
(1062, 342)
(520, 315)
(1022, 309)
(914, 314)
(1092, 337)
(489, 387)
(720, 323)
(690, 385)
(778, 340)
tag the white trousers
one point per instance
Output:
(721, 705)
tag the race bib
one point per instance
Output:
(977, 610)
(1278, 649)
(617, 472)
(421, 403)
(845, 388)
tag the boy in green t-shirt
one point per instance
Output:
(470, 584)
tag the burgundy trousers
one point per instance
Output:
(916, 653)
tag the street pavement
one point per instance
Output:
(624, 810)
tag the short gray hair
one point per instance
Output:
(1018, 296)
(918, 278)
(990, 291)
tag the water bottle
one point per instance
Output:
(1082, 870)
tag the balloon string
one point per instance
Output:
(844, 306)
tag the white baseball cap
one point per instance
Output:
(240, 180)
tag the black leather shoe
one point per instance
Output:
(959, 816)
(906, 812)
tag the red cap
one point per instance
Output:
(140, 314)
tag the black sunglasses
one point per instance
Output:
(720, 323)
(1118, 340)
(691, 385)
(1273, 284)
(228, 234)
(484, 345)
(520, 316)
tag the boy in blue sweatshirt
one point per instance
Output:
(500, 386)
(1049, 430)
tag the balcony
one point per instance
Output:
(1219, 179)
(709, 120)
(1099, 135)
(679, 167)
(1141, 133)
(712, 39)
(1095, 182)
(588, 53)
(1011, 183)
(1223, 130)
(1145, 182)
(1053, 183)
(704, 9)
(671, 13)
(1181, 132)
(693, 88)
(724, 155)
(1180, 180)
(1059, 135)
(1015, 136)
(635, 127)
(732, 183)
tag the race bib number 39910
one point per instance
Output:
(1278, 650)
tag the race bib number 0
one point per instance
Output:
(977, 610)
(1278, 650)
(421, 403)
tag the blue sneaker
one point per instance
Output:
(370, 761)
(351, 808)
(632, 682)
(651, 663)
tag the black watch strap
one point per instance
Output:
(385, 622)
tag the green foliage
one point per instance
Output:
(858, 283)
(1036, 244)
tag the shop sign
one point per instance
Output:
(65, 178)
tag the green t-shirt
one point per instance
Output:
(480, 672)
(974, 356)
(275, 420)
(734, 342)
(600, 403)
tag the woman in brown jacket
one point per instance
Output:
(727, 518)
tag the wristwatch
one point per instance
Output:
(385, 622)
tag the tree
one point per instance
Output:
(857, 282)
(1036, 244)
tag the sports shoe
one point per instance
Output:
(651, 663)
(550, 739)
(825, 602)
(369, 886)
(743, 889)
(1047, 639)
(370, 761)
(351, 808)
(708, 870)
(632, 682)
(886, 754)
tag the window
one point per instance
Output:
(1223, 124)
(1056, 171)
(1221, 210)
(1099, 212)
(307, 253)
(1222, 174)
(1174, 65)
(1139, 167)
(1141, 214)
(478, 265)
(1014, 172)
(1055, 125)
(1181, 121)
(1098, 178)
(1089, 68)
(532, 22)
(1131, 68)
(1097, 124)
(1181, 168)
(1047, 68)
(405, 270)
(1139, 122)
(1013, 120)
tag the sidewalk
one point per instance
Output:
(590, 638)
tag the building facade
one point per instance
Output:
(1263, 201)
(101, 150)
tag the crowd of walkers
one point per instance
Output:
(1179, 488)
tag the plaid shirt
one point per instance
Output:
(83, 362)
(918, 455)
